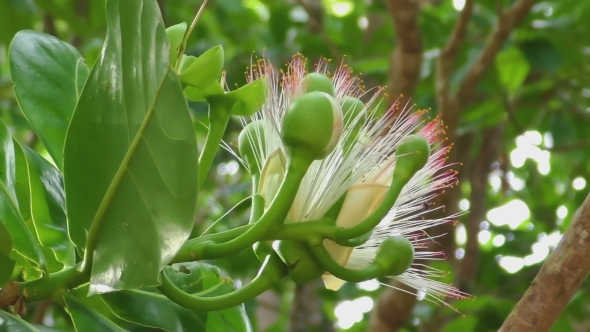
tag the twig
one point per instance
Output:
(488, 152)
(406, 59)
(507, 21)
(558, 280)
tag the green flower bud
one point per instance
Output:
(411, 155)
(352, 108)
(395, 256)
(313, 123)
(318, 82)
(302, 266)
(251, 142)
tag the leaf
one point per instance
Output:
(155, 310)
(86, 319)
(202, 71)
(131, 155)
(13, 323)
(23, 241)
(6, 263)
(48, 207)
(205, 280)
(48, 75)
(512, 68)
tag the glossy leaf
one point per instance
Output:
(131, 155)
(48, 207)
(155, 310)
(512, 68)
(6, 263)
(48, 75)
(23, 241)
(13, 323)
(86, 319)
(202, 71)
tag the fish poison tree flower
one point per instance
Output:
(354, 164)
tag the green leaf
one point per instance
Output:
(6, 263)
(131, 155)
(48, 75)
(48, 207)
(86, 319)
(155, 310)
(13, 323)
(248, 98)
(206, 280)
(512, 68)
(202, 71)
(23, 241)
(175, 35)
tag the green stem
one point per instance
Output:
(275, 215)
(219, 115)
(46, 287)
(342, 236)
(326, 261)
(272, 270)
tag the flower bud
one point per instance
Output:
(411, 155)
(395, 256)
(318, 82)
(252, 143)
(302, 266)
(313, 123)
(352, 108)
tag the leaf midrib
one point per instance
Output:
(110, 193)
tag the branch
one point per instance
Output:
(406, 59)
(488, 153)
(315, 12)
(558, 280)
(449, 53)
(393, 309)
(507, 21)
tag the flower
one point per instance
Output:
(360, 166)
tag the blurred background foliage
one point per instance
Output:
(523, 137)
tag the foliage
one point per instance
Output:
(130, 133)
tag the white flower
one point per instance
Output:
(363, 171)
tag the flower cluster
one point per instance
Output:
(357, 170)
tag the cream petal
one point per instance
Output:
(332, 283)
(271, 176)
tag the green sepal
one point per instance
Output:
(202, 71)
(175, 35)
(248, 98)
(395, 256)
(303, 268)
(352, 108)
(201, 95)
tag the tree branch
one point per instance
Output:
(488, 153)
(393, 309)
(406, 59)
(507, 21)
(558, 280)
